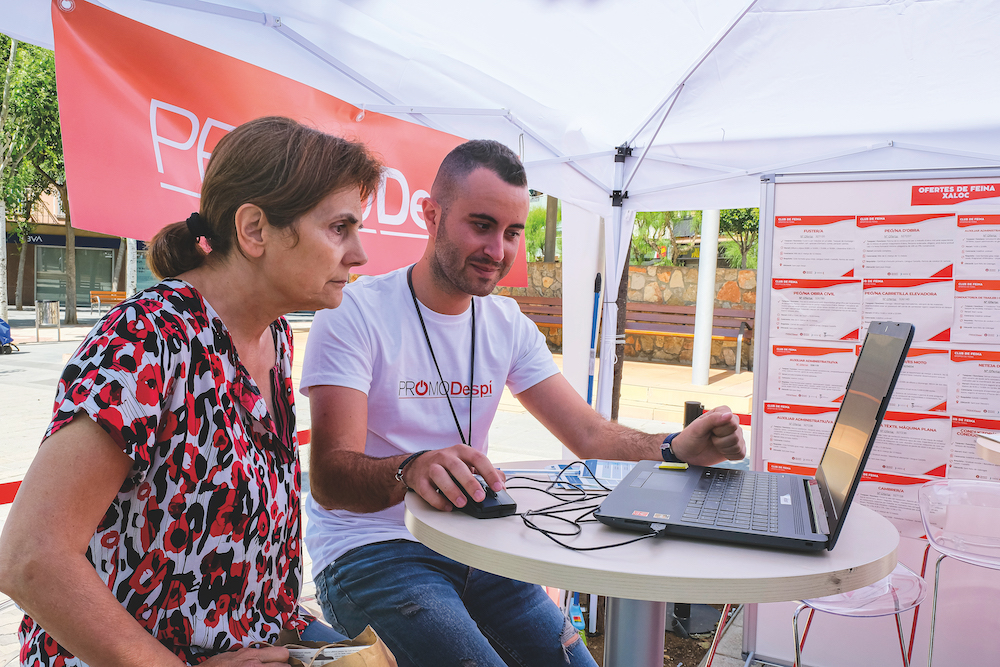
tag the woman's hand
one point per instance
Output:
(249, 657)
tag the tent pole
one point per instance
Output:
(613, 275)
(701, 355)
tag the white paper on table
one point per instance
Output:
(964, 462)
(816, 373)
(907, 246)
(814, 246)
(911, 443)
(978, 246)
(975, 382)
(926, 303)
(895, 498)
(796, 434)
(815, 309)
(977, 312)
(923, 383)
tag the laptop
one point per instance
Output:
(785, 511)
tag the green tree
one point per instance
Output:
(741, 225)
(22, 189)
(654, 230)
(534, 234)
(29, 132)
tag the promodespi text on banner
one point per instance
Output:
(142, 109)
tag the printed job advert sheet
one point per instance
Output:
(814, 246)
(815, 309)
(977, 312)
(964, 462)
(927, 304)
(907, 246)
(895, 498)
(796, 434)
(978, 246)
(912, 443)
(809, 373)
(975, 381)
(923, 383)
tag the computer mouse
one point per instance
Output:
(496, 503)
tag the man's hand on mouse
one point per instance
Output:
(440, 469)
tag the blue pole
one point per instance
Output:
(593, 338)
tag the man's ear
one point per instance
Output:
(432, 215)
(250, 223)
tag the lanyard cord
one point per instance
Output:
(472, 360)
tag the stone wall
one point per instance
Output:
(677, 286)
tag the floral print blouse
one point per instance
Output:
(202, 544)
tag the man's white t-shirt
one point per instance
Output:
(373, 342)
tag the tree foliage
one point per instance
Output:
(741, 225)
(653, 237)
(534, 234)
(29, 131)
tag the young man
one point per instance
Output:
(404, 379)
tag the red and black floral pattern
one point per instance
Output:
(202, 543)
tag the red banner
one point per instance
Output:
(930, 195)
(141, 111)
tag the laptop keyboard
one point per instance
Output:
(735, 499)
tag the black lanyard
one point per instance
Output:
(472, 360)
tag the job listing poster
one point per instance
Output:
(845, 254)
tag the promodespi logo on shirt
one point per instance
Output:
(438, 389)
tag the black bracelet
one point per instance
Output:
(666, 452)
(406, 461)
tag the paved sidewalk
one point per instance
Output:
(652, 400)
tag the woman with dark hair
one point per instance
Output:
(159, 521)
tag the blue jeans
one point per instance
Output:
(434, 612)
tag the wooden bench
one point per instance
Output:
(541, 310)
(105, 298)
(652, 319)
(659, 319)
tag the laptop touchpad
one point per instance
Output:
(666, 481)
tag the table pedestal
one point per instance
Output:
(633, 633)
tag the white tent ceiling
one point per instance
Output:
(708, 94)
(751, 87)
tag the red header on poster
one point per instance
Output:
(888, 478)
(975, 423)
(786, 350)
(891, 220)
(790, 469)
(930, 195)
(910, 416)
(900, 283)
(975, 355)
(809, 220)
(975, 220)
(806, 283)
(141, 111)
(785, 408)
(976, 285)
(922, 351)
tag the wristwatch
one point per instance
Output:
(666, 452)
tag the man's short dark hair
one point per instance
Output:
(466, 158)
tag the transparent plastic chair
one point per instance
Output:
(901, 591)
(961, 518)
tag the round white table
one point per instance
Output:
(638, 578)
(988, 449)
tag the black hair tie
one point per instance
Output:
(197, 226)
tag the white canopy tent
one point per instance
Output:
(671, 105)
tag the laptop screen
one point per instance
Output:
(874, 377)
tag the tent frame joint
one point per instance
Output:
(617, 197)
(622, 152)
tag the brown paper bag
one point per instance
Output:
(373, 652)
